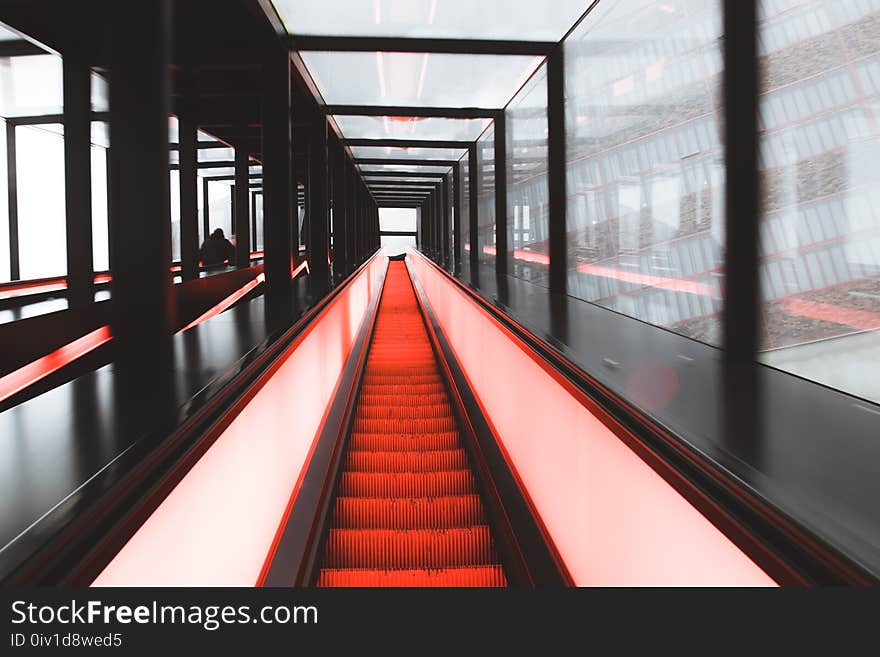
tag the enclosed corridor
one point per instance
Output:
(515, 296)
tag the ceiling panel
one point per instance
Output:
(418, 79)
(410, 127)
(525, 20)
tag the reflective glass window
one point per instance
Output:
(645, 167)
(527, 189)
(820, 231)
(42, 237)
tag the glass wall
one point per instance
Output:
(4, 206)
(527, 188)
(258, 238)
(820, 230)
(174, 193)
(42, 237)
(100, 237)
(464, 202)
(220, 207)
(32, 86)
(486, 197)
(645, 164)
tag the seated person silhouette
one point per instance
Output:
(216, 250)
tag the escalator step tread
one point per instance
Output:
(408, 461)
(409, 548)
(408, 513)
(483, 576)
(380, 442)
(407, 484)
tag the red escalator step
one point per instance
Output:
(408, 513)
(484, 576)
(410, 548)
(370, 399)
(406, 412)
(380, 442)
(407, 484)
(410, 461)
(409, 426)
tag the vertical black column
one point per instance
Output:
(78, 180)
(501, 196)
(140, 246)
(340, 215)
(206, 208)
(740, 317)
(456, 219)
(447, 219)
(241, 191)
(438, 226)
(253, 219)
(189, 190)
(556, 172)
(428, 225)
(12, 200)
(277, 174)
(473, 219)
(319, 210)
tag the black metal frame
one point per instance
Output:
(420, 45)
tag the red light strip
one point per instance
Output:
(228, 301)
(827, 312)
(23, 377)
(12, 291)
(303, 265)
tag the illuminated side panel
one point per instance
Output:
(614, 521)
(227, 302)
(16, 381)
(217, 525)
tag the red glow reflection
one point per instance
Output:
(23, 377)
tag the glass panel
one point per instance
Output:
(410, 127)
(486, 197)
(397, 220)
(100, 240)
(394, 78)
(527, 190)
(216, 154)
(464, 169)
(100, 94)
(258, 242)
(645, 166)
(462, 19)
(42, 238)
(820, 145)
(174, 188)
(4, 208)
(407, 168)
(407, 153)
(30, 85)
(220, 207)
(397, 244)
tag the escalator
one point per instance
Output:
(407, 510)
